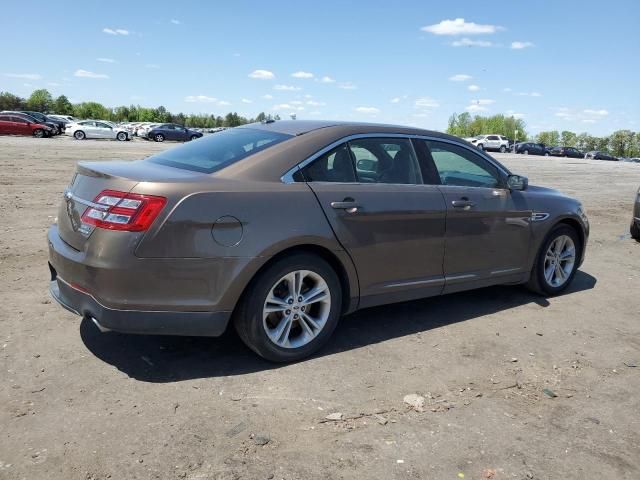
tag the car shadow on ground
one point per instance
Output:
(162, 359)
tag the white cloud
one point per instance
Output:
(175, 22)
(460, 77)
(467, 42)
(347, 86)
(152, 65)
(327, 79)
(106, 60)
(117, 31)
(296, 102)
(54, 84)
(200, 99)
(223, 103)
(287, 88)
(420, 115)
(530, 94)
(245, 100)
(507, 89)
(460, 27)
(521, 45)
(514, 114)
(313, 103)
(87, 74)
(287, 106)
(587, 115)
(368, 110)
(473, 88)
(426, 102)
(599, 113)
(476, 108)
(302, 75)
(395, 100)
(25, 76)
(267, 97)
(315, 112)
(262, 75)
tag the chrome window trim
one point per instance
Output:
(97, 206)
(288, 175)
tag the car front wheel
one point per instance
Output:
(38, 133)
(79, 135)
(291, 309)
(158, 137)
(503, 149)
(480, 146)
(556, 262)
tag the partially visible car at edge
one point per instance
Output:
(96, 129)
(11, 124)
(635, 220)
(172, 131)
(53, 126)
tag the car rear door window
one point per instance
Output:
(461, 167)
(385, 160)
(334, 166)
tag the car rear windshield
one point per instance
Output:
(218, 150)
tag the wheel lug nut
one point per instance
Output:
(295, 316)
(288, 312)
(299, 299)
(302, 308)
(290, 301)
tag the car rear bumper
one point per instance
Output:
(210, 324)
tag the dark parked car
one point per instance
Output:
(30, 118)
(599, 155)
(567, 152)
(41, 117)
(171, 131)
(11, 124)
(281, 228)
(635, 220)
(529, 148)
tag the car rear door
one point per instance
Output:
(6, 125)
(487, 225)
(493, 142)
(386, 218)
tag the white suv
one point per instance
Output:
(490, 142)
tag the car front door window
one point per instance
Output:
(458, 166)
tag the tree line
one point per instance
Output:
(42, 101)
(621, 143)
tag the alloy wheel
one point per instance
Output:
(296, 309)
(559, 261)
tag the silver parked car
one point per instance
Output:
(282, 227)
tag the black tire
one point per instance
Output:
(634, 230)
(79, 135)
(537, 282)
(38, 133)
(526, 152)
(121, 136)
(503, 149)
(193, 137)
(480, 146)
(248, 316)
(546, 154)
(158, 137)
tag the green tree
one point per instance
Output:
(549, 138)
(91, 110)
(62, 106)
(622, 143)
(586, 142)
(568, 139)
(40, 100)
(9, 101)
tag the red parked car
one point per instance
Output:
(18, 125)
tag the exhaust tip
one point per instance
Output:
(97, 324)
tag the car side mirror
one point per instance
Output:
(517, 183)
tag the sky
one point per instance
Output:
(558, 64)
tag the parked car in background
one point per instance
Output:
(275, 228)
(567, 152)
(96, 129)
(53, 126)
(600, 155)
(142, 130)
(42, 118)
(635, 220)
(171, 131)
(490, 142)
(530, 148)
(11, 124)
(68, 118)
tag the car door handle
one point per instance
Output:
(349, 205)
(464, 204)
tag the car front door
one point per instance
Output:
(21, 126)
(385, 217)
(89, 129)
(493, 142)
(104, 130)
(487, 225)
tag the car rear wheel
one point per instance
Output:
(556, 262)
(121, 136)
(193, 137)
(503, 149)
(158, 137)
(79, 135)
(546, 154)
(291, 309)
(38, 133)
(526, 152)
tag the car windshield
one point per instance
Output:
(215, 152)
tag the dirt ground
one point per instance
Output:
(78, 404)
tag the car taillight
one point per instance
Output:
(130, 212)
